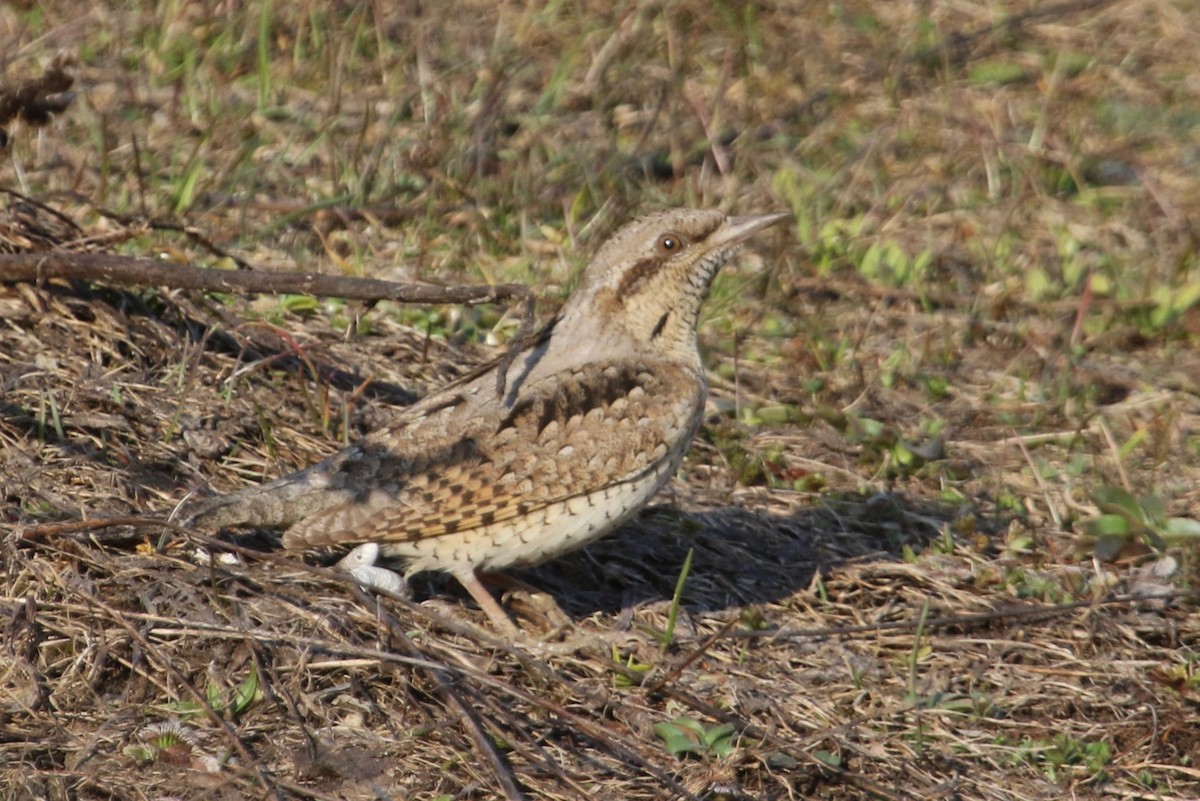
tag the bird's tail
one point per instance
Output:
(276, 504)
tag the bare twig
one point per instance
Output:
(148, 272)
(23, 267)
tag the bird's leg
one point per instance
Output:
(360, 563)
(470, 580)
(531, 601)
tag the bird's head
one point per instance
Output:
(645, 285)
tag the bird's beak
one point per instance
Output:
(738, 229)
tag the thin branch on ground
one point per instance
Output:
(148, 272)
(39, 267)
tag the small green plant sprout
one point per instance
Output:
(899, 457)
(1172, 302)
(685, 735)
(973, 706)
(299, 304)
(1066, 753)
(1061, 756)
(1183, 678)
(630, 672)
(229, 702)
(1125, 519)
(887, 263)
(668, 636)
(171, 743)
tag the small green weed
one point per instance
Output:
(1126, 519)
(685, 735)
(631, 672)
(888, 263)
(1062, 755)
(668, 636)
(171, 743)
(229, 702)
(998, 72)
(897, 456)
(1182, 678)
(975, 706)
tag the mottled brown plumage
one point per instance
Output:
(596, 416)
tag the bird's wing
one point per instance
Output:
(568, 434)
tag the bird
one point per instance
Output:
(594, 414)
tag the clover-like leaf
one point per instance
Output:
(685, 735)
(681, 736)
(1108, 525)
(719, 739)
(1117, 501)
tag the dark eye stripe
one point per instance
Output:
(637, 272)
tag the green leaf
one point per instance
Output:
(691, 724)
(1108, 526)
(871, 429)
(187, 190)
(1182, 528)
(666, 730)
(905, 457)
(683, 745)
(1002, 72)
(212, 694)
(1153, 508)
(718, 733)
(299, 303)
(247, 692)
(141, 752)
(723, 748)
(184, 709)
(778, 414)
(1173, 302)
(676, 601)
(680, 738)
(1038, 283)
(1116, 501)
(869, 266)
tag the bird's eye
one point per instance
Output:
(669, 243)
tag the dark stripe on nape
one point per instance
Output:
(660, 325)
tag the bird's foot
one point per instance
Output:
(532, 604)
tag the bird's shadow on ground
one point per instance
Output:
(741, 557)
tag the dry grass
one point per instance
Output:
(986, 312)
